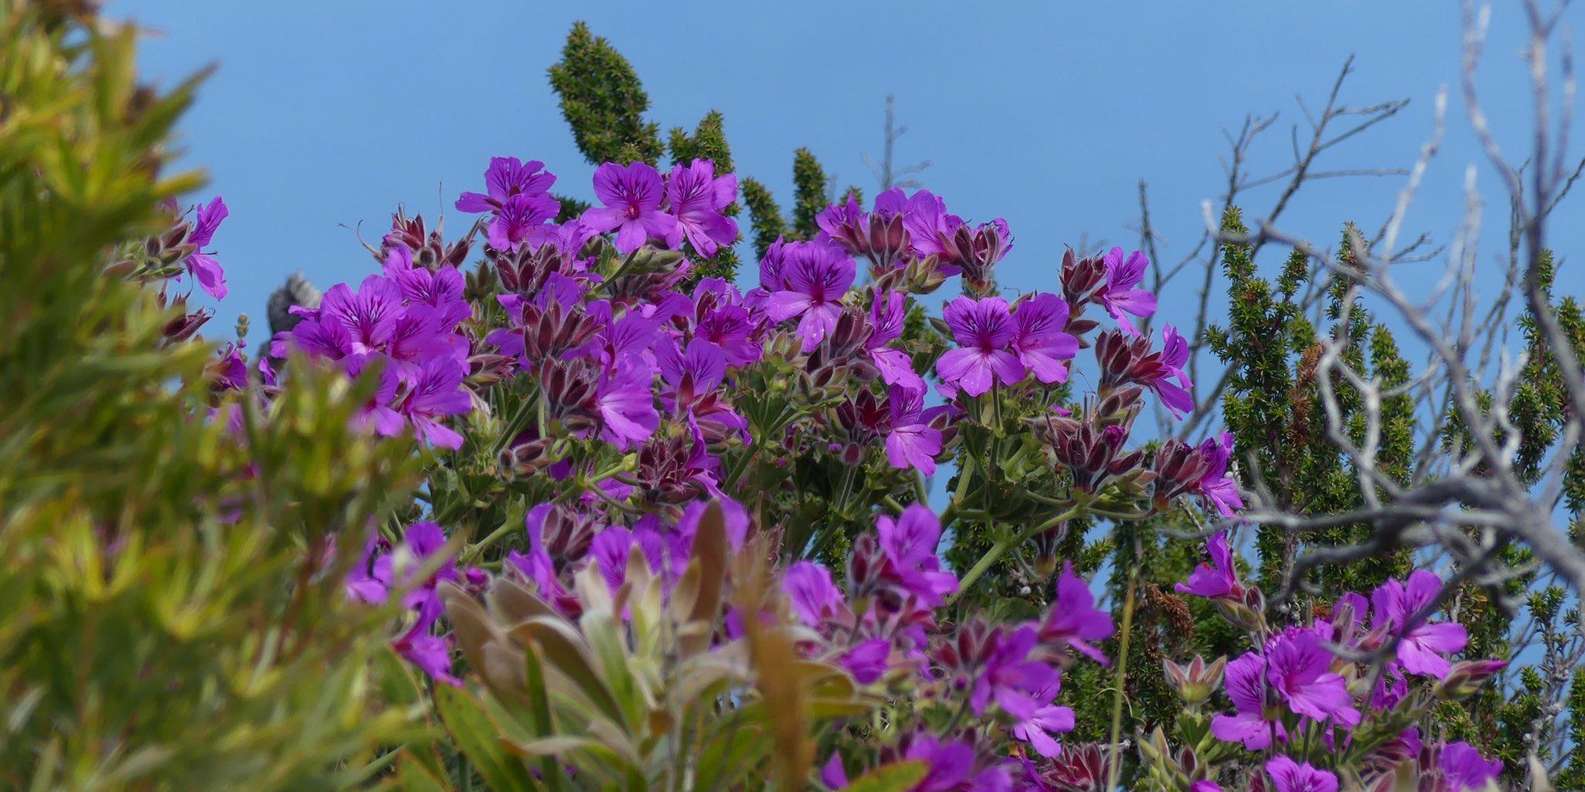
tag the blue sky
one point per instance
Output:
(324, 116)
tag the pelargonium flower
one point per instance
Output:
(910, 439)
(1218, 489)
(1073, 619)
(1421, 649)
(887, 314)
(931, 228)
(1041, 343)
(698, 198)
(626, 403)
(523, 219)
(203, 267)
(1298, 667)
(1012, 679)
(1216, 580)
(1037, 729)
(909, 546)
(369, 315)
(868, 660)
(505, 178)
(1463, 768)
(693, 378)
(813, 277)
(984, 330)
(1290, 776)
(1119, 296)
(1251, 723)
(1174, 354)
(437, 393)
(632, 195)
(814, 598)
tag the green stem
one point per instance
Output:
(514, 425)
(1000, 548)
(495, 536)
(1113, 760)
(965, 473)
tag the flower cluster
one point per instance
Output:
(613, 401)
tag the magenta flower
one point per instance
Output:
(814, 598)
(1011, 679)
(523, 219)
(201, 265)
(369, 315)
(1041, 342)
(1218, 489)
(1205, 786)
(1289, 776)
(1174, 354)
(814, 276)
(506, 178)
(911, 441)
(1422, 648)
(1218, 579)
(930, 226)
(697, 197)
(632, 196)
(887, 314)
(909, 546)
(436, 394)
(984, 330)
(1037, 729)
(626, 404)
(1073, 619)
(1465, 769)
(430, 653)
(1298, 667)
(867, 661)
(1119, 296)
(1251, 723)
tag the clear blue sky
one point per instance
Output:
(325, 115)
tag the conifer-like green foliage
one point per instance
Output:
(1272, 352)
(603, 101)
(171, 616)
(810, 190)
(767, 218)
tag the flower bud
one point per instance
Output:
(1196, 681)
(1467, 677)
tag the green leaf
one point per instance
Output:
(480, 740)
(894, 777)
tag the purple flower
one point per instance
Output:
(1037, 728)
(1041, 342)
(1217, 488)
(505, 178)
(1119, 296)
(201, 265)
(693, 380)
(1422, 648)
(632, 196)
(1205, 786)
(951, 764)
(1465, 769)
(814, 598)
(887, 314)
(1250, 724)
(813, 277)
(930, 226)
(909, 545)
(984, 330)
(523, 219)
(911, 440)
(369, 315)
(697, 197)
(1074, 619)
(867, 661)
(1289, 776)
(1011, 678)
(1298, 667)
(377, 413)
(431, 653)
(626, 404)
(1219, 578)
(1174, 354)
(437, 393)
